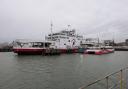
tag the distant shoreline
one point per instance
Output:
(6, 50)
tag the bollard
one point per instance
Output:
(121, 79)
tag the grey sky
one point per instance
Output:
(31, 19)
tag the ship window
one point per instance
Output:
(68, 40)
(64, 44)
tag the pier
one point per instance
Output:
(121, 48)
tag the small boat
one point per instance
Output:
(94, 50)
(110, 49)
(99, 50)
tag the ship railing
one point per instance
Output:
(116, 80)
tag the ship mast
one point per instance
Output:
(113, 43)
(69, 27)
(98, 39)
(51, 30)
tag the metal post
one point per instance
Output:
(121, 79)
(44, 45)
(126, 79)
(107, 82)
(51, 31)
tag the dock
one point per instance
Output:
(121, 49)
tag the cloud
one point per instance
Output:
(31, 18)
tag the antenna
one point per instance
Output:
(51, 30)
(113, 39)
(69, 27)
(98, 38)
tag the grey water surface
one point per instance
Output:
(66, 71)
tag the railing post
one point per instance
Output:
(120, 84)
(126, 79)
(121, 79)
(107, 82)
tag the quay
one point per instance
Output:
(121, 49)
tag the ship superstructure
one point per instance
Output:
(65, 39)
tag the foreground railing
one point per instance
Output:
(116, 80)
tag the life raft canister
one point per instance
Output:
(73, 41)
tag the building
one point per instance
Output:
(109, 42)
(126, 41)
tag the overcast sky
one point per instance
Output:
(30, 19)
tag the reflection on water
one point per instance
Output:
(56, 72)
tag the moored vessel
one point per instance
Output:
(65, 41)
(99, 50)
(110, 49)
(94, 50)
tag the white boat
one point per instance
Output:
(110, 49)
(100, 50)
(94, 50)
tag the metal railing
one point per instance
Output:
(116, 80)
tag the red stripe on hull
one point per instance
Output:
(68, 50)
(29, 51)
(63, 50)
(98, 52)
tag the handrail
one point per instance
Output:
(107, 77)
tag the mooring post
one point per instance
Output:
(126, 79)
(121, 79)
(107, 82)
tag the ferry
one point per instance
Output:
(65, 41)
